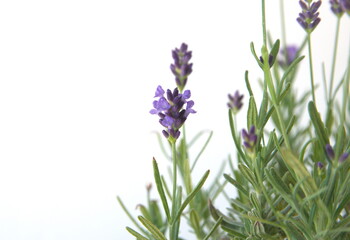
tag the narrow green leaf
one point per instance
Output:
(252, 114)
(318, 124)
(283, 93)
(247, 83)
(212, 230)
(252, 49)
(135, 234)
(195, 224)
(191, 195)
(290, 68)
(160, 189)
(309, 185)
(156, 233)
(130, 216)
(236, 184)
(235, 140)
(202, 150)
(248, 174)
(274, 51)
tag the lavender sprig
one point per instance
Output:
(235, 102)
(181, 67)
(171, 110)
(336, 8)
(308, 18)
(249, 139)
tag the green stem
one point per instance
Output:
(283, 27)
(334, 59)
(264, 22)
(311, 68)
(173, 207)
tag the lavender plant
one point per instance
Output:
(292, 178)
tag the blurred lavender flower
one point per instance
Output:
(345, 4)
(331, 155)
(336, 8)
(320, 165)
(235, 102)
(249, 138)
(288, 55)
(181, 67)
(308, 18)
(343, 157)
(330, 152)
(171, 110)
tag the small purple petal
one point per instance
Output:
(159, 92)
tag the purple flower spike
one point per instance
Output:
(249, 138)
(343, 157)
(181, 67)
(288, 55)
(235, 102)
(345, 5)
(308, 18)
(330, 152)
(172, 111)
(336, 8)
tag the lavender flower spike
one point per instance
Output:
(181, 67)
(288, 55)
(308, 18)
(336, 8)
(171, 110)
(345, 4)
(235, 102)
(249, 138)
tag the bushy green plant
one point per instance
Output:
(292, 182)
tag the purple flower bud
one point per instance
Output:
(235, 102)
(320, 165)
(330, 152)
(181, 67)
(249, 138)
(308, 18)
(343, 157)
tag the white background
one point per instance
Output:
(76, 85)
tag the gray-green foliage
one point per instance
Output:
(288, 186)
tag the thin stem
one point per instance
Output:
(173, 207)
(311, 68)
(334, 58)
(283, 26)
(264, 22)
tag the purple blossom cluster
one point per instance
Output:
(171, 110)
(181, 67)
(249, 138)
(308, 18)
(235, 101)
